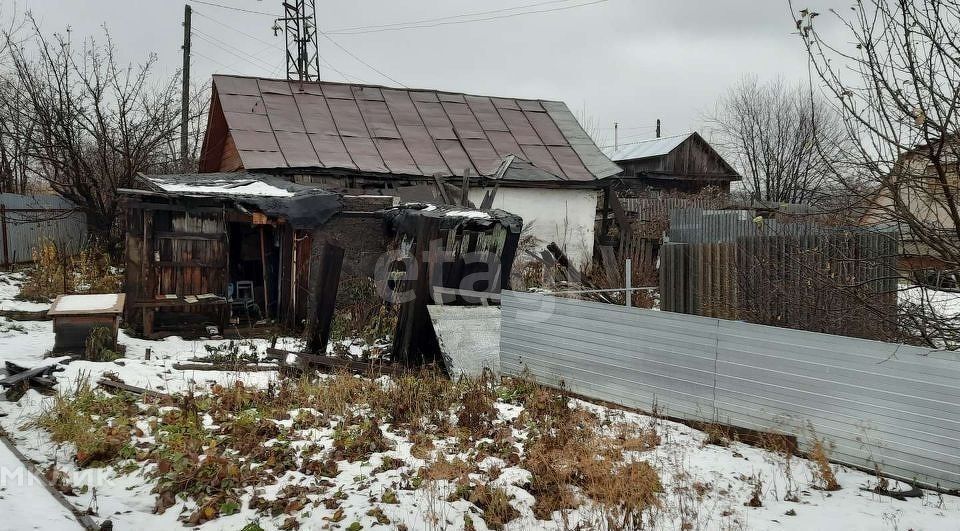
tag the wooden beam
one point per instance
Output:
(324, 284)
(266, 283)
(120, 386)
(443, 192)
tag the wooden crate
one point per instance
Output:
(75, 316)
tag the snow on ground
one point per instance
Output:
(705, 486)
(25, 502)
(10, 288)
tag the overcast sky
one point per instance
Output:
(629, 61)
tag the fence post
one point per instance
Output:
(6, 246)
(628, 282)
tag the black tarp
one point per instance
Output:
(303, 207)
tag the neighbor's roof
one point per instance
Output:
(374, 129)
(655, 147)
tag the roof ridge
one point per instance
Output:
(388, 87)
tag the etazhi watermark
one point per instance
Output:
(20, 476)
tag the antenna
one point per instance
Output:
(300, 30)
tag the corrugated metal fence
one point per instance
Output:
(27, 220)
(891, 405)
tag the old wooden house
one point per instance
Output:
(529, 157)
(680, 163)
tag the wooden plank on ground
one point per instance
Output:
(340, 363)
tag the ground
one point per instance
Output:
(354, 453)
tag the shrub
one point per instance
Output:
(100, 345)
(823, 475)
(56, 273)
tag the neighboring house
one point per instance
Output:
(679, 163)
(922, 207)
(417, 145)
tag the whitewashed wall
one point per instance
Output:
(563, 216)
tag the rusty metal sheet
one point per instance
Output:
(331, 151)
(401, 107)
(486, 113)
(570, 163)
(447, 96)
(521, 129)
(505, 103)
(396, 157)
(364, 154)
(482, 154)
(283, 113)
(455, 157)
(436, 120)
(530, 105)
(298, 150)
(315, 113)
(423, 150)
(540, 156)
(262, 159)
(367, 93)
(464, 122)
(236, 85)
(335, 90)
(244, 104)
(378, 119)
(301, 87)
(424, 95)
(270, 86)
(244, 121)
(547, 130)
(255, 141)
(504, 143)
(597, 163)
(347, 116)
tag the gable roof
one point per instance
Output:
(654, 147)
(276, 124)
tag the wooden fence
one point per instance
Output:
(833, 282)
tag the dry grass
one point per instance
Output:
(823, 475)
(56, 273)
(452, 425)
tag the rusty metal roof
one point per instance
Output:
(374, 129)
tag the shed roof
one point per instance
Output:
(279, 124)
(302, 206)
(655, 147)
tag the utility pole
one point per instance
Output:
(658, 127)
(300, 31)
(185, 101)
(616, 137)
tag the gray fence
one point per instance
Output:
(696, 225)
(26, 221)
(877, 403)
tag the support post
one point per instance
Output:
(6, 242)
(185, 96)
(628, 281)
(324, 284)
(266, 281)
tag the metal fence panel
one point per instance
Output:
(876, 404)
(27, 221)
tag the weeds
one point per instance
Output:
(823, 475)
(56, 273)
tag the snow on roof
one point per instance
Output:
(223, 187)
(84, 304)
(655, 147)
(477, 214)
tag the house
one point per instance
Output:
(919, 205)
(679, 163)
(528, 157)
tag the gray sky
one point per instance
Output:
(630, 61)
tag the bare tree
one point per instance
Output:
(779, 138)
(91, 123)
(894, 77)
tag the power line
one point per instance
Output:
(448, 17)
(273, 45)
(233, 50)
(221, 6)
(486, 19)
(351, 54)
